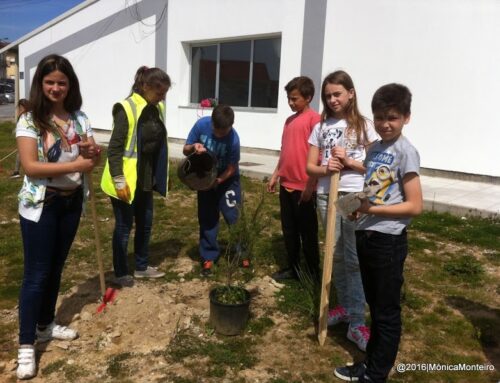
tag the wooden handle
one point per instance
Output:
(328, 258)
(96, 228)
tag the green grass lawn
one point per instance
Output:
(451, 296)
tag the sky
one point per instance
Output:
(19, 17)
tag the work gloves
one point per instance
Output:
(122, 189)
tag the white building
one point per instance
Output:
(444, 51)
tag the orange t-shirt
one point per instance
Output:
(294, 149)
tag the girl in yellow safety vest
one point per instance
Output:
(137, 164)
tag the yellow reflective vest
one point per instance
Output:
(133, 107)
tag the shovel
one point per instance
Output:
(328, 258)
(109, 294)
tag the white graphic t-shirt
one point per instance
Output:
(333, 132)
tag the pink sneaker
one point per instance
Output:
(359, 335)
(336, 315)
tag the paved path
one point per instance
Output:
(7, 112)
(441, 194)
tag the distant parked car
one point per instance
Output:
(8, 93)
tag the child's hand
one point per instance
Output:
(199, 148)
(85, 165)
(271, 184)
(365, 205)
(339, 152)
(306, 195)
(334, 165)
(354, 216)
(88, 149)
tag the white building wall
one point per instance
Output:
(105, 60)
(444, 51)
(200, 21)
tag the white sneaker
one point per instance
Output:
(26, 362)
(150, 272)
(54, 331)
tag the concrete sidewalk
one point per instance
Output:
(440, 194)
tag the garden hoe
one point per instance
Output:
(109, 294)
(328, 258)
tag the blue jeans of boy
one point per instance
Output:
(346, 273)
(46, 245)
(225, 199)
(299, 223)
(381, 259)
(141, 210)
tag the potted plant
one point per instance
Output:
(230, 302)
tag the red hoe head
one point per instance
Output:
(109, 297)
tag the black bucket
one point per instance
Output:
(198, 171)
(229, 319)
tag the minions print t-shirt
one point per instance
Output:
(386, 165)
(226, 149)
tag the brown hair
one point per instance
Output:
(303, 84)
(41, 107)
(222, 117)
(24, 105)
(355, 120)
(153, 77)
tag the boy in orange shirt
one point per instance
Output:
(297, 200)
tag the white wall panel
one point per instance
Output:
(201, 21)
(444, 51)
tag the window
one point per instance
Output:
(242, 73)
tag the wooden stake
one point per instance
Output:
(96, 229)
(328, 258)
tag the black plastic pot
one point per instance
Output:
(229, 319)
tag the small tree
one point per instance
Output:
(243, 235)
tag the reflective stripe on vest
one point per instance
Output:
(130, 151)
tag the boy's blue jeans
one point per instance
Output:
(225, 199)
(141, 210)
(346, 273)
(46, 245)
(381, 260)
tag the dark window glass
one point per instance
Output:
(234, 73)
(203, 71)
(266, 72)
(231, 84)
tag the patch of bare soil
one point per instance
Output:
(139, 325)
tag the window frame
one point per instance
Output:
(218, 43)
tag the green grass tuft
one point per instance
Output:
(466, 268)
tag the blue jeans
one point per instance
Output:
(141, 210)
(381, 259)
(46, 245)
(346, 273)
(225, 199)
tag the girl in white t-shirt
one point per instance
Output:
(338, 143)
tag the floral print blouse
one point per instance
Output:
(32, 193)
